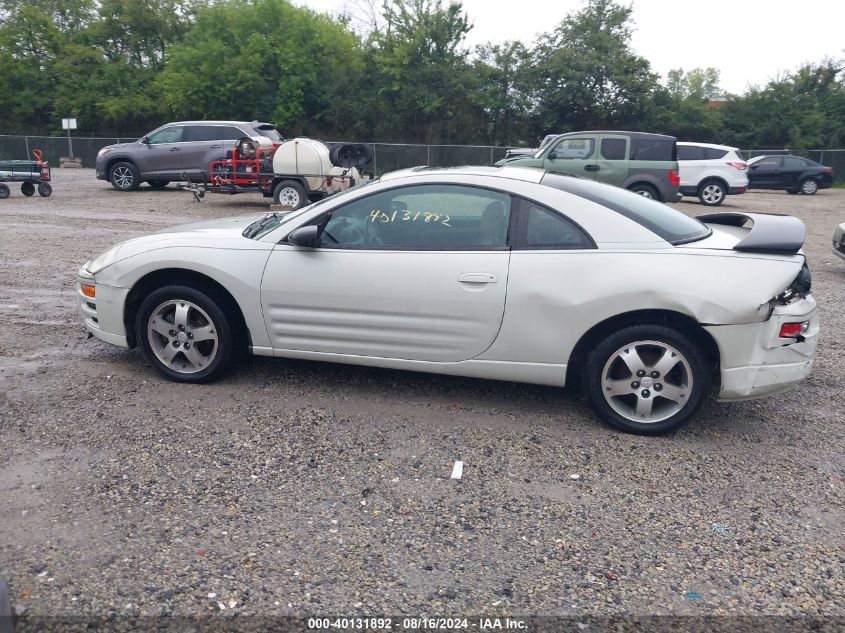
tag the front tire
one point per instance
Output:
(712, 193)
(809, 186)
(27, 189)
(45, 190)
(4, 191)
(186, 334)
(290, 194)
(124, 176)
(646, 379)
(646, 191)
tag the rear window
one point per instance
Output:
(270, 131)
(644, 148)
(671, 225)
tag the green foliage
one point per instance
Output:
(126, 66)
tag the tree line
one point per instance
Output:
(389, 71)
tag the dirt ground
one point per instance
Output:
(308, 489)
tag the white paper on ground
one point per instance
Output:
(458, 470)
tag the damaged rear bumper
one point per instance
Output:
(756, 361)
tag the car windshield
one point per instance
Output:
(661, 219)
(274, 221)
(546, 142)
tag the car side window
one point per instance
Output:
(613, 148)
(768, 163)
(228, 133)
(166, 135)
(691, 152)
(712, 153)
(792, 162)
(200, 133)
(542, 228)
(572, 148)
(421, 217)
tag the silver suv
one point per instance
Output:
(166, 153)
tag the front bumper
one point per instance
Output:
(756, 361)
(103, 314)
(100, 167)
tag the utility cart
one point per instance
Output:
(32, 174)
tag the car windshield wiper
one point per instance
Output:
(253, 229)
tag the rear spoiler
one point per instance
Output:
(769, 232)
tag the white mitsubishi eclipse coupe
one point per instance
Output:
(504, 273)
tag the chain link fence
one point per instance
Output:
(386, 156)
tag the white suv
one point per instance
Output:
(711, 172)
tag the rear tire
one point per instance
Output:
(186, 335)
(27, 189)
(124, 176)
(809, 186)
(4, 191)
(290, 194)
(712, 193)
(646, 191)
(45, 190)
(671, 386)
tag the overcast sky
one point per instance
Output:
(749, 41)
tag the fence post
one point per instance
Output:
(26, 140)
(428, 155)
(375, 162)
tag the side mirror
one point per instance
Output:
(145, 140)
(553, 154)
(305, 236)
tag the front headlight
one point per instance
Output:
(104, 151)
(102, 260)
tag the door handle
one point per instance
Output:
(477, 278)
(591, 167)
(216, 146)
(174, 149)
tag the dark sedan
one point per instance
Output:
(793, 174)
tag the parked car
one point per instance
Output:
(839, 241)
(711, 172)
(644, 163)
(530, 151)
(510, 274)
(183, 147)
(794, 174)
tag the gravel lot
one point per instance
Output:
(298, 488)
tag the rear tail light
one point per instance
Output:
(739, 166)
(794, 330)
(828, 171)
(674, 177)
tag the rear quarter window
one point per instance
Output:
(655, 149)
(715, 154)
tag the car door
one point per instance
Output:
(611, 161)
(160, 154)
(573, 155)
(765, 173)
(205, 143)
(691, 166)
(416, 272)
(792, 170)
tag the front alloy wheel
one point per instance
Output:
(185, 334)
(646, 379)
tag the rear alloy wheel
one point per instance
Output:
(185, 334)
(27, 189)
(809, 186)
(291, 194)
(711, 193)
(646, 191)
(646, 379)
(124, 176)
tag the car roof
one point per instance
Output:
(525, 174)
(217, 123)
(625, 132)
(710, 145)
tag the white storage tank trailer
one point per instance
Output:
(311, 159)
